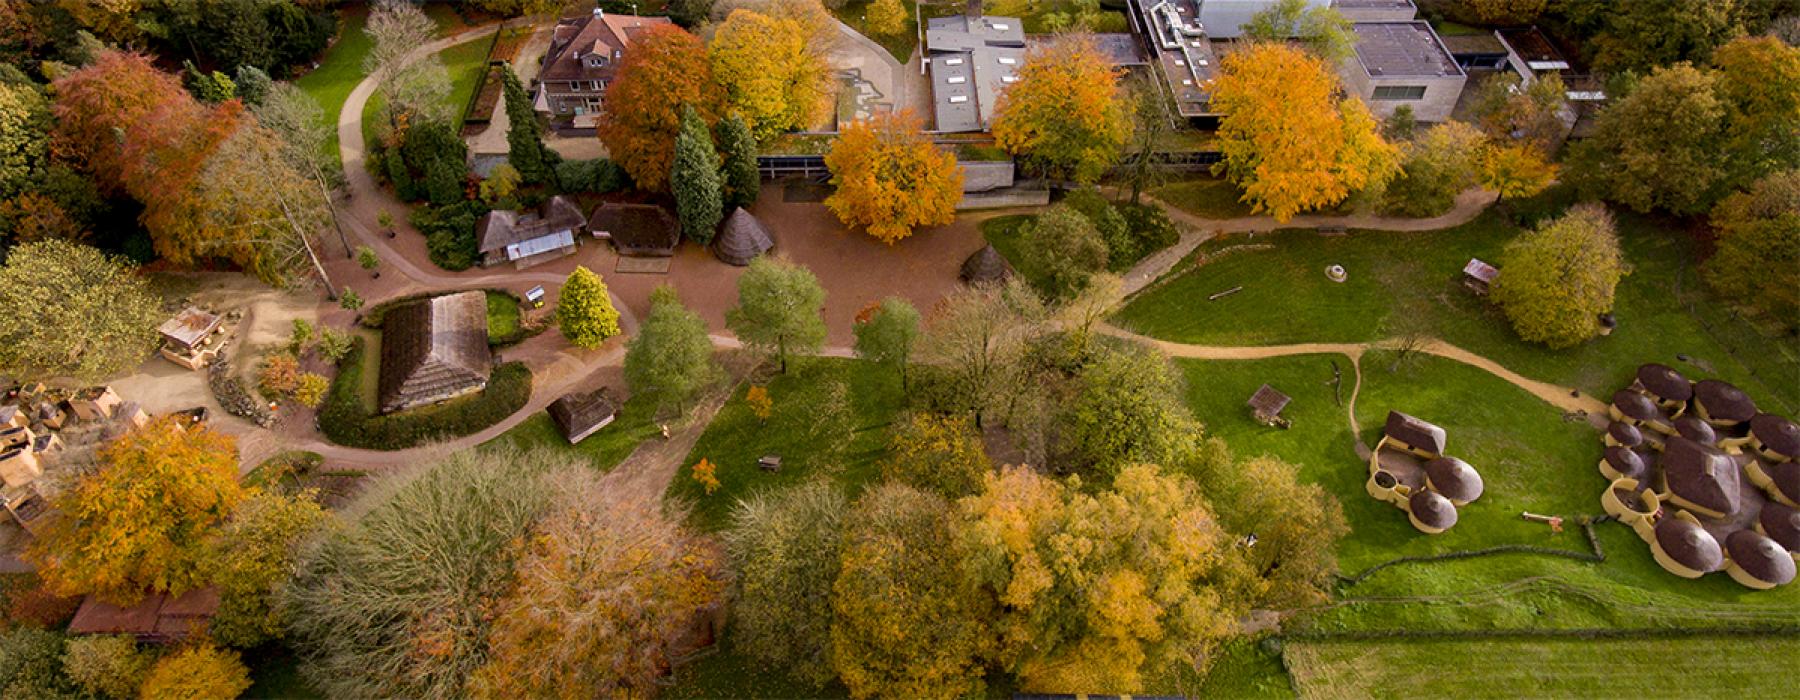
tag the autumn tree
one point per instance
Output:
(103, 320)
(1066, 115)
(1289, 141)
(1657, 147)
(1557, 279)
(1758, 259)
(1297, 527)
(1321, 28)
(1759, 84)
(1507, 12)
(939, 453)
(1641, 36)
(785, 546)
(266, 213)
(666, 69)
(198, 672)
(395, 600)
(670, 357)
(772, 71)
(1151, 121)
(409, 82)
(1080, 316)
(1095, 589)
(907, 623)
(886, 334)
(978, 337)
(305, 137)
(885, 18)
(138, 523)
(604, 588)
(107, 665)
(525, 149)
(780, 309)
(252, 554)
(1516, 171)
(738, 172)
(584, 309)
(1064, 246)
(25, 124)
(1435, 168)
(889, 178)
(1509, 111)
(694, 180)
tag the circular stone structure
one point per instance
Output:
(1336, 273)
(1624, 463)
(1635, 406)
(1776, 437)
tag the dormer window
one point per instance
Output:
(957, 80)
(596, 61)
(1008, 60)
(953, 61)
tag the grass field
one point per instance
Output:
(1703, 667)
(736, 439)
(502, 318)
(900, 44)
(341, 69)
(604, 449)
(465, 63)
(1007, 235)
(1212, 198)
(1286, 298)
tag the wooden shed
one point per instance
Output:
(187, 339)
(636, 230)
(741, 239)
(1479, 276)
(579, 415)
(1267, 404)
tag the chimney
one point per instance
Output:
(972, 9)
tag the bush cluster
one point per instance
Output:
(597, 176)
(345, 421)
(450, 233)
(1130, 231)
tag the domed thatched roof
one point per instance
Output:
(1761, 557)
(741, 239)
(1786, 476)
(1778, 435)
(1627, 462)
(1665, 383)
(1625, 434)
(986, 266)
(1781, 523)
(1432, 509)
(1702, 475)
(1722, 401)
(1635, 405)
(1454, 478)
(1692, 428)
(1689, 545)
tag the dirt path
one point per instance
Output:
(647, 472)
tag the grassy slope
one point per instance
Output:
(330, 84)
(1007, 235)
(736, 439)
(604, 449)
(464, 62)
(1286, 298)
(1212, 198)
(502, 315)
(1705, 667)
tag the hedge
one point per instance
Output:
(345, 420)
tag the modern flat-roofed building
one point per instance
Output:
(1403, 63)
(1178, 42)
(973, 58)
(1376, 10)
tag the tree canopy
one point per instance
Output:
(670, 357)
(889, 178)
(887, 332)
(666, 69)
(1064, 245)
(785, 546)
(772, 70)
(780, 308)
(1657, 147)
(940, 453)
(1438, 165)
(1757, 264)
(1557, 279)
(584, 309)
(1066, 116)
(103, 321)
(694, 179)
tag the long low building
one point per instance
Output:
(973, 58)
(1403, 63)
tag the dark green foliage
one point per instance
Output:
(690, 13)
(1150, 225)
(400, 176)
(597, 176)
(443, 184)
(694, 180)
(1107, 222)
(252, 84)
(1065, 247)
(450, 233)
(345, 421)
(31, 664)
(272, 35)
(1126, 409)
(741, 180)
(431, 163)
(211, 88)
(524, 144)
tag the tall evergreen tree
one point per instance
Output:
(524, 145)
(694, 179)
(741, 180)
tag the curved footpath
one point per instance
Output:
(368, 201)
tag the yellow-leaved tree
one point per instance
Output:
(1093, 588)
(1066, 115)
(139, 523)
(890, 177)
(200, 672)
(773, 67)
(1289, 141)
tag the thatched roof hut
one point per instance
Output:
(1624, 434)
(638, 230)
(1430, 512)
(1757, 561)
(1785, 478)
(1414, 433)
(1692, 428)
(530, 237)
(986, 266)
(1686, 549)
(1664, 383)
(579, 415)
(741, 239)
(1454, 478)
(1721, 403)
(1623, 463)
(1701, 478)
(1775, 437)
(1780, 522)
(433, 350)
(1635, 406)
(1267, 403)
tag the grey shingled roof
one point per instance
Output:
(579, 415)
(637, 229)
(433, 349)
(986, 266)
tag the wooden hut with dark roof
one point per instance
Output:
(1774, 438)
(1455, 479)
(579, 415)
(1780, 479)
(1756, 561)
(1267, 404)
(531, 237)
(1701, 478)
(1692, 428)
(1639, 410)
(1781, 522)
(1479, 276)
(1430, 512)
(636, 230)
(433, 350)
(986, 266)
(1722, 404)
(1413, 435)
(1664, 384)
(741, 239)
(1684, 548)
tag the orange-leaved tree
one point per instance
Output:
(139, 523)
(891, 178)
(666, 68)
(1289, 141)
(1066, 115)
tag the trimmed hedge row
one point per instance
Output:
(345, 421)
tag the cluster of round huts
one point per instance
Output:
(1410, 471)
(1707, 480)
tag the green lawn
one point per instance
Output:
(604, 449)
(1286, 298)
(1208, 197)
(502, 318)
(1704, 667)
(465, 62)
(1007, 235)
(736, 439)
(330, 84)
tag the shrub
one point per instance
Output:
(200, 672)
(107, 665)
(346, 422)
(1108, 222)
(31, 664)
(333, 343)
(278, 376)
(38, 606)
(1150, 225)
(450, 233)
(301, 337)
(597, 176)
(310, 390)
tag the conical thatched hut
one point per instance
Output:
(986, 266)
(741, 239)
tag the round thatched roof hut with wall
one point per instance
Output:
(1622, 434)
(1453, 478)
(1692, 428)
(1684, 548)
(1723, 404)
(1664, 384)
(1757, 561)
(1775, 438)
(741, 239)
(1781, 523)
(1623, 463)
(986, 266)
(1430, 512)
